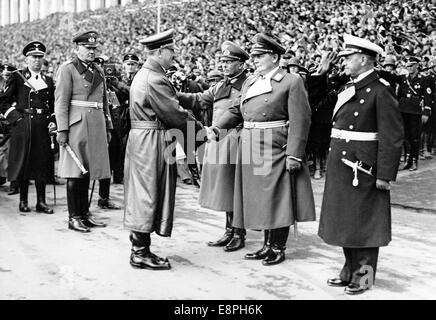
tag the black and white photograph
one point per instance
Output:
(231, 152)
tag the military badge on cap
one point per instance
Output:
(159, 41)
(130, 57)
(231, 51)
(7, 67)
(265, 44)
(34, 48)
(87, 39)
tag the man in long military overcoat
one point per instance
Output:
(30, 156)
(218, 174)
(272, 182)
(83, 122)
(150, 174)
(365, 150)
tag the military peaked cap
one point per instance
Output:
(359, 45)
(87, 39)
(34, 48)
(161, 40)
(232, 51)
(264, 44)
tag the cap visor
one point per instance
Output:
(346, 53)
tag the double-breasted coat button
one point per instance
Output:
(330, 149)
(356, 114)
(344, 153)
(86, 86)
(368, 90)
(351, 127)
(266, 100)
(264, 114)
(362, 101)
(334, 122)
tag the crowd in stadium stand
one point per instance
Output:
(306, 27)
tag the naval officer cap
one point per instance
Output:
(265, 44)
(34, 48)
(231, 51)
(7, 67)
(87, 39)
(159, 41)
(130, 57)
(358, 45)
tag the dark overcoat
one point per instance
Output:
(218, 173)
(263, 197)
(150, 173)
(360, 217)
(30, 155)
(87, 127)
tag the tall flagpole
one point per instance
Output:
(158, 16)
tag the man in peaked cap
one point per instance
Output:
(218, 175)
(365, 150)
(150, 177)
(120, 114)
(415, 97)
(275, 114)
(30, 156)
(82, 115)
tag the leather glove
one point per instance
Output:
(62, 138)
(292, 165)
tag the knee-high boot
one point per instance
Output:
(278, 246)
(41, 205)
(228, 235)
(87, 218)
(74, 206)
(264, 251)
(24, 190)
(141, 256)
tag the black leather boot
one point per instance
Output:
(228, 235)
(24, 189)
(278, 246)
(87, 218)
(104, 190)
(41, 206)
(237, 242)
(74, 206)
(141, 257)
(414, 165)
(13, 188)
(407, 162)
(264, 251)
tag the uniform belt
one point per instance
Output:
(86, 104)
(36, 111)
(265, 125)
(136, 124)
(354, 135)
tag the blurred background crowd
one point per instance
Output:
(306, 27)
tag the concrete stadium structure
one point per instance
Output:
(17, 11)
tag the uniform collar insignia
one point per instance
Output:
(278, 76)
